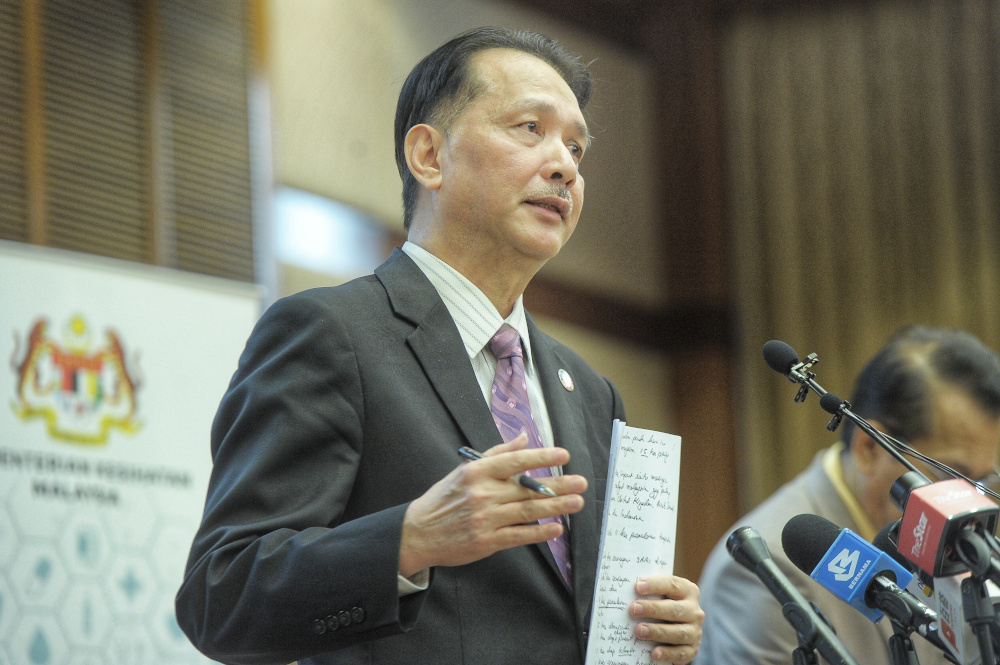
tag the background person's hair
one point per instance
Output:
(897, 386)
(442, 85)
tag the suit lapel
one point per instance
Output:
(566, 415)
(438, 347)
(436, 343)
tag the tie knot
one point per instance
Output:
(505, 343)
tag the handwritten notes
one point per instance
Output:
(640, 526)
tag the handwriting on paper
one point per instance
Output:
(639, 529)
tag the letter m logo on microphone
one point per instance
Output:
(844, 564)
(848, 567)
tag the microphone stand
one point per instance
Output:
(901, 651)
(814, 632)
(805, 630)
(979, 610)
(976, 603)
(801, 373)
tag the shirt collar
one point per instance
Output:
(476, 317)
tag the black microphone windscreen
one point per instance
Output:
(806, 538)
(904, 486)
(780, 356)
(886, 540)
(747, 547)
(830, 403)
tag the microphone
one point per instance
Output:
(886, 540)
(749, 550)
(861, 575)
(831, 403)
(944, 595)
(938, 518)
(780, 357)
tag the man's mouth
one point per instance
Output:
(557, 205)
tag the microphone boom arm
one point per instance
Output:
(844, 410)
(801, 373)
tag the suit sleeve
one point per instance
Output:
(275, 573)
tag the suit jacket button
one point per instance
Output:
(344, 618)
(357, 614)
(319, 626)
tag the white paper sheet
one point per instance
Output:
(639, 533)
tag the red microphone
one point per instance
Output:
(933, 516)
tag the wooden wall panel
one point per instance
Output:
(125, 130)
(13, 194)
(94, 120)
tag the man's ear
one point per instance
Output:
(422, 149)
(864, 449)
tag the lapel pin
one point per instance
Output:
(566, 380)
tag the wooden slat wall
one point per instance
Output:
(205, 59)
(13, 204)
(94, 127)
(135, 114)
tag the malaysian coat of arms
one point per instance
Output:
(81, 390)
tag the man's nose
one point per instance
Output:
(560, 165)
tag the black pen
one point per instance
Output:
(523, 480)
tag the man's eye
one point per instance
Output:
(530, 126)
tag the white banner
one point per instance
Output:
(110, 375)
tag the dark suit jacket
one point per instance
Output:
(347, 404)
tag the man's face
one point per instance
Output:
(964, 437)
(510, 161)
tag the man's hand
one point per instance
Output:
(673, 600)
(476, 510)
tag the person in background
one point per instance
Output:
(938, 390)
(340, 524)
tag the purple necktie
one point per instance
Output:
(512, 414)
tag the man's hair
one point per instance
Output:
(897, 386)
(442, 85)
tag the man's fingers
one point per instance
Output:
(670, 586)
(671, 603)
(676, 642)
(526, 534)
(512, 491)
(511, 458)
(674, 654)
(520, 443)
(477, 509)
(571, 484)
(532, 509)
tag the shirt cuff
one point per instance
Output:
(419, 581)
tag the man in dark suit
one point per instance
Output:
(340, 525)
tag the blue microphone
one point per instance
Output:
(857, 572)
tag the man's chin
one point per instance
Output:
(541, 251)
(542, 244)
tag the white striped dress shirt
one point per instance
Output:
(477, 320)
